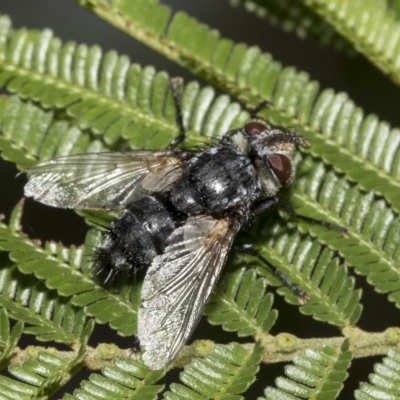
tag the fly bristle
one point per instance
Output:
(106, 268)
(108, 271)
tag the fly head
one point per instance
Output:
(273, 152)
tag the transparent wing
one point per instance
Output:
(178, 284)
(101, 180)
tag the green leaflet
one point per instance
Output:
(295, 16)
(384, 382)
(29, 133)
(43, 373)
(314, 269)
(124, 379)
(222, 375)
(49, 317)
(8, 339)
(313, 375)
(374, 229)
(369, 26)
(239, 303)
(364, 148)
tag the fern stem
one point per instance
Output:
(363, 344)
(278, 348)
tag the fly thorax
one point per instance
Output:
(241, 141)
(270, 184)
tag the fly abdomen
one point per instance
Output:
(156, 219)
(135, 237)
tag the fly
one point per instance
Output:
(181, 211)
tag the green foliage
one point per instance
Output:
(239, 304)
(292, 15)
(51, 318)
(369, 26)
(71, 99)
(313, 375)
(222, 375)
(8, 340)
(30, 133)
(394, 5)
(374, 229)
(332, 295)
(43, 373)
(384, 383)
(124, 379)
(106, 94)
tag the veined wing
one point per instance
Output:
(178, 285)
(101, 180)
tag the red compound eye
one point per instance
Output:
(282, 167)
(254, 128)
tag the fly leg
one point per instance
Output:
(175, 84)
(254, 111)
(275, 202)
(286, 281)
(135, 349)
(292, 213)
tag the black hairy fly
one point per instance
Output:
(181, 213)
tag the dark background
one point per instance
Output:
(364, 84)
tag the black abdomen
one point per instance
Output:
(135, 237)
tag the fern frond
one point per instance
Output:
(314, 375)
(12, 389)
(107, 94)
(50, 318)
(225, 373)
(369, 25)
(365, 149)
(295, 16)
(43, 373)
(8, 340)
(126, 379)
(373, 229)
(70, 272)
(29, 134)
(394, 6)
(384, 382)
(239, 303)
(313, 268)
